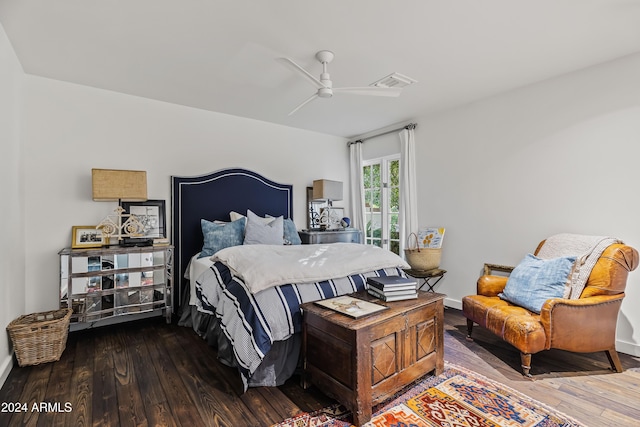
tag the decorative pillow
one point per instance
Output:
(291, 236)
(259, 233)
(220, 235)
(236, 216)
(536, 280)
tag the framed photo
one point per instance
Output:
(336, 212)
(86, 236)
(152, 216)
(314, 209)
(330, 218)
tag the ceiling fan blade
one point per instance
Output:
(369, 90)
(295, 67)
(306, 101)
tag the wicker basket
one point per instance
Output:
(421, 258)
(40, 337)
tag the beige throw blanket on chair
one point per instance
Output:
(587, 249)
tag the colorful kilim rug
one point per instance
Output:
(456, 398)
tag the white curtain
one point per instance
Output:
(356, 186)
(408, 185)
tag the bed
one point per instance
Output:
(247, 310)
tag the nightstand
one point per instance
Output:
(117, 282)
(346, 235)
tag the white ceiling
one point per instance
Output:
(221, 55)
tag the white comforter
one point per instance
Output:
(265, 266)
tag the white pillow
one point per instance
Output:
(236, 216)
(257, 232)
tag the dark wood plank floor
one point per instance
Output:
(148, 373)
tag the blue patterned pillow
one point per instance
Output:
(220, 235)
(291, 236)
(536, 280)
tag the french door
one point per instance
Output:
(381, 178)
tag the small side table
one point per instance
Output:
(427, 276)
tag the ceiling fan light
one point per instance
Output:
(325, 92)
(394, 80)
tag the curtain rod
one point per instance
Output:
(408, 127)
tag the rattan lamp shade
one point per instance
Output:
(324, 189)
(119, 185)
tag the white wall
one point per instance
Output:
(71, 129)
(500, 174)
(559, 156)
(12, 289)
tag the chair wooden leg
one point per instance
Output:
(525, 362)
(612, 355)
(469, 329)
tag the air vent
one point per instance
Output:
(394, 80)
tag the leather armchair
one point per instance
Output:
(583, 325)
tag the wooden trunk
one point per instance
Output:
(362, 362)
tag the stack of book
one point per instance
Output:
(392, 288)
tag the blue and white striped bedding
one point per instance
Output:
(252, 322)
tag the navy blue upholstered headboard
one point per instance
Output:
(212, 197)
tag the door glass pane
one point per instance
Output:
(394, 173)
(382, 203)
(394, 234)
(394, 199)
(366, 176)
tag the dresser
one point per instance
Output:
(105, 284)
(346, 235)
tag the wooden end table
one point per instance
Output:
(362, 362)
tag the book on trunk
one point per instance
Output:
(392, 296)
(391, 282)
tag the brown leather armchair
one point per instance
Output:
(583, 325)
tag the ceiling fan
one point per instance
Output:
(324, 85)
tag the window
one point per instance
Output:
(381, 178)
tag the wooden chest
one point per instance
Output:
(362, 362)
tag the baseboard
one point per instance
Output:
(448, 302)
(628, 348)
(5, 368)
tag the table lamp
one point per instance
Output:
(119, 185)
(324, 189)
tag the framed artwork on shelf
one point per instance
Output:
(86, 236)
(152, 215)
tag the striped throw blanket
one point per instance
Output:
(252, 322)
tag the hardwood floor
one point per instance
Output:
(150, 373)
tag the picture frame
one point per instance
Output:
(86, 236)
(313, 210)
(334, 214)
(152, 214)
(337, 212)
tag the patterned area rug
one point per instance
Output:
(457, 398)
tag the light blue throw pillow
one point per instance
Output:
(291, 236)
(220, 235)
(536, 280)
(260, 233)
